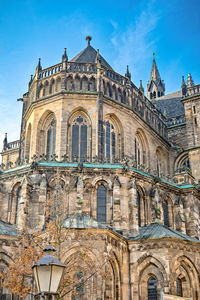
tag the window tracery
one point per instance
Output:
(79, 138)
(51, 139)
(109, 141)
(101, 203)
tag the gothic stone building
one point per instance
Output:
(136, 161)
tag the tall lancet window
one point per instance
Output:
(179, 287)
(165, 213)
(79, 138)
(51, 139)
(101, 203)
(109, 141)
(152, 288)
(19, 196)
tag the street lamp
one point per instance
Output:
(48, 272)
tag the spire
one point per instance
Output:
(141, 87)
(65, 57)
(183, 87)
(128, 74)
(156, 86)
(39, 67)
(154, 71)
(88, 39)
(190, 82)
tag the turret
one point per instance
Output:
(64, 59)
(156, 86)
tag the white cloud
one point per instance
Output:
(135, 44)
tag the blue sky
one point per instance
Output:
(126, 32)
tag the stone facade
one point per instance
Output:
(95, 133)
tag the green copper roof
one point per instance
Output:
(158, 231)
(82, 221)
(7, 229)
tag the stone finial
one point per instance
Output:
(183, 87)
(65, 57)
(5, 142)
(141, 87)
(128, 74)
(190, 81)
(39, 67)
(88, 39)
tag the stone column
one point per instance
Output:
(42, 201)
(133, 208)
(116, 204)
(125, 276)
(23, 204)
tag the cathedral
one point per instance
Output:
(135, 161)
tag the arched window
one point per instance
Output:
(79, 138)
(109, 140)
(152, 288)
(51, 139)
(179, 287)
(139, 209)
(101, 203)
(165, 213)
(19, 196)
(140, 150)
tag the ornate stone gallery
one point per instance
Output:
(133, 162)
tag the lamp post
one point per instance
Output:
(48, 272)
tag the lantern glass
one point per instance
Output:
(44, 277)
(57, 272)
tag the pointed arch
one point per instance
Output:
(187, 274)
(79, 135)
(77, 83)
(161, 161)
(58, 84)
(46, 88)
(141, 149)
(84, 86)
(112, 139)
(147, 268)
(52, 86)
(46, 134)
(69, 83)
(92, 84)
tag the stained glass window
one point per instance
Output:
(79, 138)
(109, 141)
(51, 140)
(19, 195)
(152, 288)
(179, 287)
(101, 203)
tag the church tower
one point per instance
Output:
(156, 86)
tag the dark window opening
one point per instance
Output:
(152, 288)
(101, 203)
